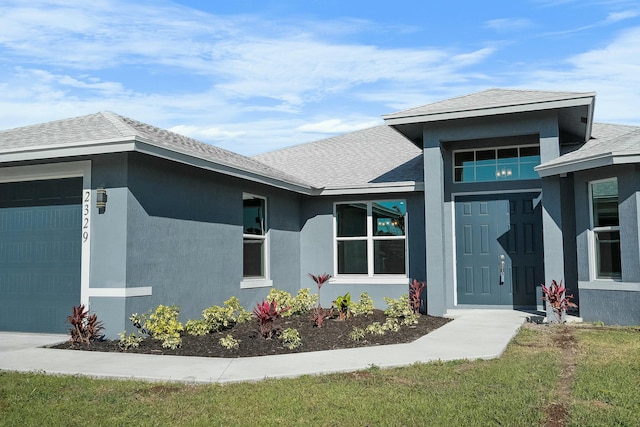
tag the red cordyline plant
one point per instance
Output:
(556, 296)
(415, 290)
(320, 280)
(266, 313)
(85, 328)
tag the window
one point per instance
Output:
(496, 164)
(371, 238)
(254, 236)
(606, 228)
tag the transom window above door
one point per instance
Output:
(371, 238)
(496, 164)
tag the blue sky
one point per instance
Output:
(257, 75)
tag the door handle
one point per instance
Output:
(501, 270)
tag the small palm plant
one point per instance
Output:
(320, 280)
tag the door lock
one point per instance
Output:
(501, 270)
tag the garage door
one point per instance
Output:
(40, 254)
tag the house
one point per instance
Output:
(484, 197)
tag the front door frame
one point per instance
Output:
(453, 229)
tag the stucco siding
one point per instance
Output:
(440, 139)
(317, 248)
(610, 307)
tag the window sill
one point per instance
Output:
(366, 280)
(256, 283)
(609, 285)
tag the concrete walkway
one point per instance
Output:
(473, 334)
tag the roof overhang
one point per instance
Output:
(575, 115)
(605, 159)
(395, 187)
(137, 144)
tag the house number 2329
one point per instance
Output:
(86, 205)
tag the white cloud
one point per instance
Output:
(508, 24)
(612, 71)
(621, 16)
(210, 133)
(335, 126)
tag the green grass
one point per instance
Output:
(512, 390)
(607, 386)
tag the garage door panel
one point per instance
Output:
(40, 256)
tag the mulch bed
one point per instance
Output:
(334, 334)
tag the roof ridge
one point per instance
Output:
(117, 122)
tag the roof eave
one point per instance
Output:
(130, 144)
(84, 148)
(177, 156)
(394, 187)
(586, 99)
(606, 159)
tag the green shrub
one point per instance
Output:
(197, 327)
(217, 318)
(391, 324)
(290, 338)
(303, 302)
(356, 333)
(129, 341)
(229, 342)
(376, 328)
(400, 309)
(282, 299)
(162, 324)
(364, 306)
(240, 315)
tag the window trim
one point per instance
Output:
(495, 148)
(370, 276)
(593, 230)
(265, 281)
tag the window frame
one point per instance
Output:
(370, 238)
(593, 233)
(518, 162)
(257, 281)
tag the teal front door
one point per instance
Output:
(499, 253)
(40, 254)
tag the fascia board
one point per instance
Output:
(575, 165)
(130, 144)
(397, 187)
(67, 150)
(606, 159)
(484, 112)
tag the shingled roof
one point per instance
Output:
(609, 144)
(491, 99)
(377, 157)
(110, 132)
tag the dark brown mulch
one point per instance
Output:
(334, 334)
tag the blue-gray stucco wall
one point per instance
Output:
(317, 247)
(610, 307)
(439, 140)
(610, 301)
(178, 230)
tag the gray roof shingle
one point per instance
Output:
(364, 158)
(607, 140)
(487, 99)
(105, 126)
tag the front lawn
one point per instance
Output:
(600, 368)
